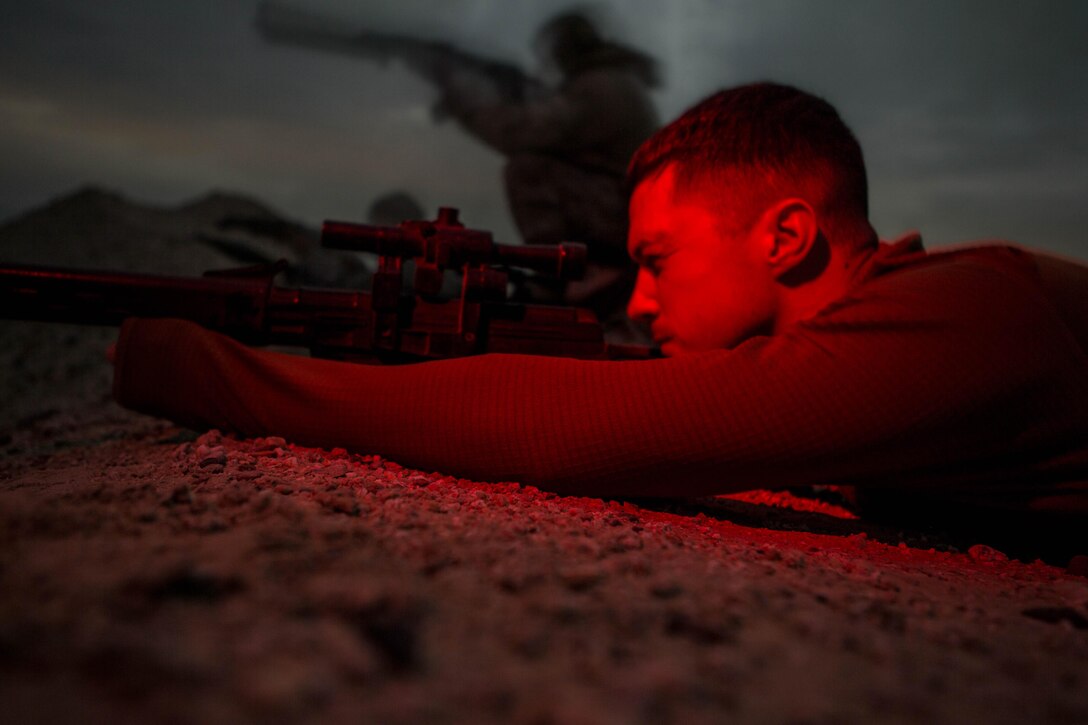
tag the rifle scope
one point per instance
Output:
(446, 243)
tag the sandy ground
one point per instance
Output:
(152, 573)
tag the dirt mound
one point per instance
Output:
(99, 229)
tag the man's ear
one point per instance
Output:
(789, 232)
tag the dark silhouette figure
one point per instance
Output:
(567, 145)
(568, 150)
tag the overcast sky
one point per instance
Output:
(973, 114)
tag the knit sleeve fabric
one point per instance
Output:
(953, 375)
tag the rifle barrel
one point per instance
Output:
(331, 323)
(244, 304)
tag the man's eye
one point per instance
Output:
(653, 263)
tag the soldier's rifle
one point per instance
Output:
(391, 322)
(437, 61)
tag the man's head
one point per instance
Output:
(746, 214)
(572, 43)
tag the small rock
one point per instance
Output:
(179, 494)
(581, 578)
(340, 502)
(211, 456)
(981, 552)
(336, 470)
(213, 437)
(235, 495)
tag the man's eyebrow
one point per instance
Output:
(639, 249)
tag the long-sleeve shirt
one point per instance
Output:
(960, 374)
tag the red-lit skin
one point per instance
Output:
(705, 284)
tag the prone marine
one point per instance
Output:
(799, 349)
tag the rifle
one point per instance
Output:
(436, 61)
(390, 323)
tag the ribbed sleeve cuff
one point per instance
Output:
(150, 365)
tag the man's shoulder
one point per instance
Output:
(1000, 256)
(907, 255)
(906, 265)
(969, 283)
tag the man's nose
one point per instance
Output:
(642, 306)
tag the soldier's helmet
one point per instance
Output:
(572, 41)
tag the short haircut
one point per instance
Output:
(764, 142)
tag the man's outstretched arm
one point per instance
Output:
(892, 388)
